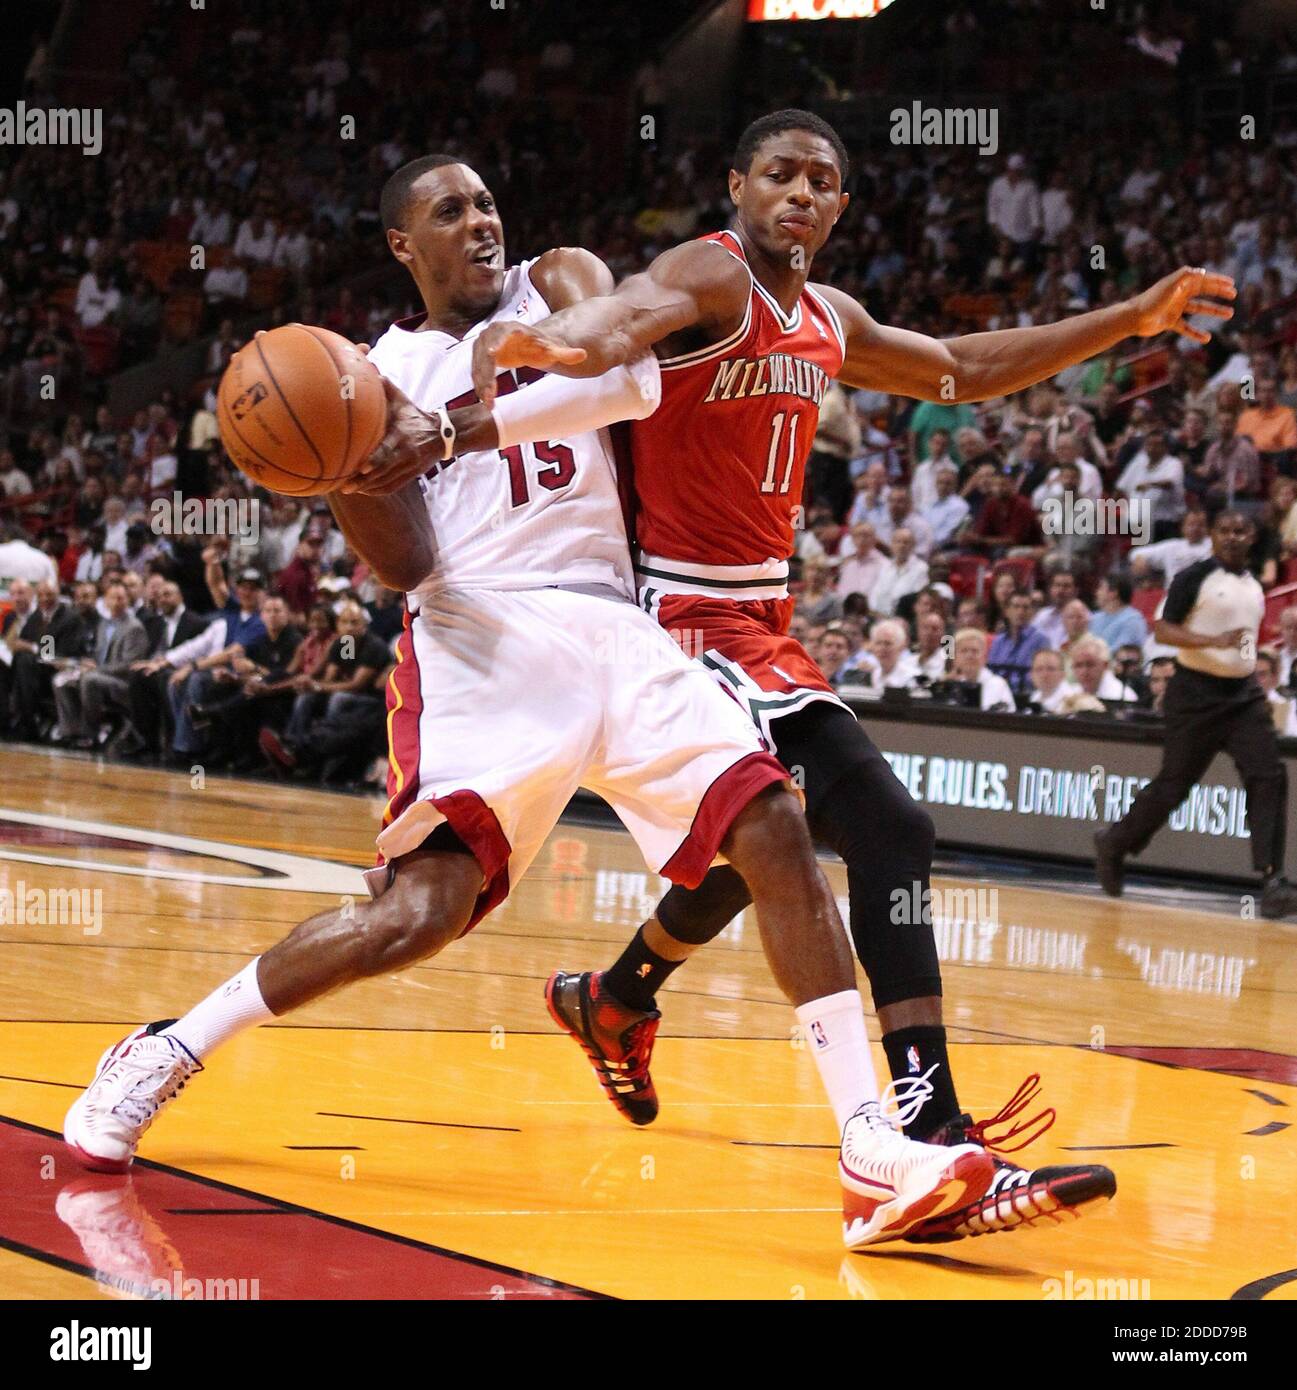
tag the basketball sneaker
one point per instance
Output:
(617, 1040)
(1017, 1197)
(134, 1080)
(890, 1184)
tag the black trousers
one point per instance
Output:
(31, 694)
(237, 722)
(6, 692)
(150, 709)
(1206, 715)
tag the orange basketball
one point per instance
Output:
(300, 408)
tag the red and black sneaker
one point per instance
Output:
(617, 1040)
(1017, 1197)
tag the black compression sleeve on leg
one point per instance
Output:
(857, 807)
(695, 916)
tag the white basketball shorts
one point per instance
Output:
(504, 702)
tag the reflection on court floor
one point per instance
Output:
(431, 1136)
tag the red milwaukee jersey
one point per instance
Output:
(718, 467)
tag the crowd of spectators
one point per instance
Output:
(973, 509)
(929, 559)
(951, 565)
(270, 650)
(216, 199)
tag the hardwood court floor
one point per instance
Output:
(432, 1135)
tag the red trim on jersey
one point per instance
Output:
(466, 813)
(475, 823)
(718, 810)
(404, 709)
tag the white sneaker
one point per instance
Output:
(891, 1183)
(135, 1079)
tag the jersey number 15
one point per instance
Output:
(560, 469)
(559, 461)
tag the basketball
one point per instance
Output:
(300, 408)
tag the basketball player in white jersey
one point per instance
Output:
(526, 670)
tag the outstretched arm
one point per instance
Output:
(552, 408)
(694, 286)
(978, 366)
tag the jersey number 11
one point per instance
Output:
(772, 463)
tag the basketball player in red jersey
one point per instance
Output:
(747, 347)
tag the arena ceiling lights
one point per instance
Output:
(765, 10)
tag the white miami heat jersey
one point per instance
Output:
(519, 518)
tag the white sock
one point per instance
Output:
(834, 1028)
(228, 1010)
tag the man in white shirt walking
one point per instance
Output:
(1213, 703)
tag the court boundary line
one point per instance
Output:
(411, 1242)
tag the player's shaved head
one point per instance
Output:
(393, 204)
(791, 118)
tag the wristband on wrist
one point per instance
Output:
(446, 430)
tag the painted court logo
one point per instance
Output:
(59, 125)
